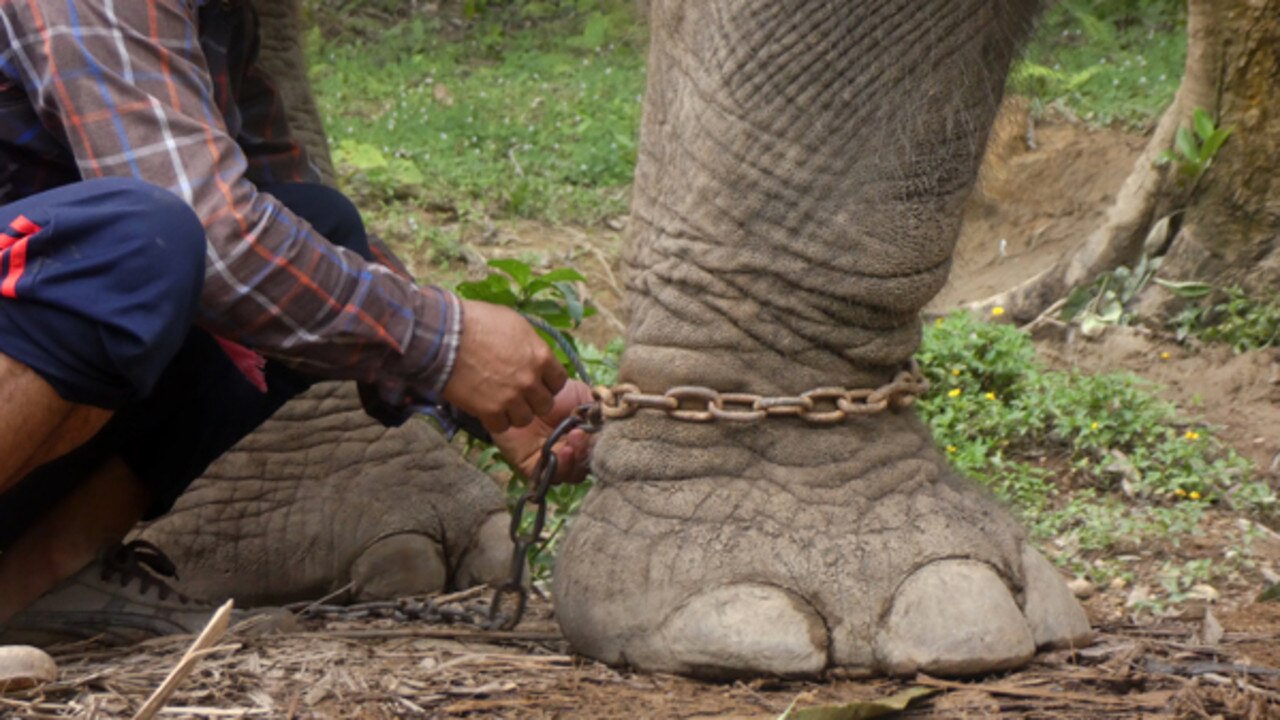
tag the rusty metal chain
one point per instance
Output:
(586, 417)
(819, 406)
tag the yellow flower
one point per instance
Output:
(955, 372)
(991, 396)
(997, 311)
(1180, 492)
(1164, 355)
(1194, 495)
(1192, 435)
(1093, 425)
(951, 448)
(954, 392)
(937, 323)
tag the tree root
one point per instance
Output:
(1119, 239)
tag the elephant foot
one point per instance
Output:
(791, 550)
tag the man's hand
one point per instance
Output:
(521, 446)
(504, 374)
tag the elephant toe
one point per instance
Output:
(738, 630)
(954, 618)
(398, 565)
(1056, 619)
(488, 562)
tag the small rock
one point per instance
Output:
(1081, 588)
(1138, 595)
(23, 667)
(1208, 593)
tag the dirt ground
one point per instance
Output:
(1043, 189)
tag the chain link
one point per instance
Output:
(819, 406)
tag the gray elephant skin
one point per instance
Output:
(802, 169)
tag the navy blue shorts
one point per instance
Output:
(99, 284)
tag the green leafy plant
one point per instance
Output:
(1228, 316)
(1105, 301)
(1195, 147)
(1098, 463)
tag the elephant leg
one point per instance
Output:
(802, 171)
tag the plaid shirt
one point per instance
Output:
(166, 91)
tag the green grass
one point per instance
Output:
(1107, 62)
(1096, 463)
(523, 112)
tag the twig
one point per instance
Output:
(1059, 695)
(213, 631)
(434, 633)
(308, 607)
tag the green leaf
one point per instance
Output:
(361, 156)
(494, 289)
(1213, 144)
(862, 710)
(1077, 301)
(1186, 145)
(550, 311)
(548, 279)
(1189, 289)
(1203, 124)
(518, 270)
(572, 301)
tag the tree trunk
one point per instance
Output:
(1231, 231)
(1230, 216)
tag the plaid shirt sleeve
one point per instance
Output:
(127, 85)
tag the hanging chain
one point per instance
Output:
(586, 417)
(688, 403)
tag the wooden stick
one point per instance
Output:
(213, 631)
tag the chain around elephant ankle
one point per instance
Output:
(820, 406)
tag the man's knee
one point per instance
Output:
(121, 271)
(162, 237)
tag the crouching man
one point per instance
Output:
(160, 234)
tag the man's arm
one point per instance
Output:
(128, 87)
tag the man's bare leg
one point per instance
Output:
(97, 513)
(36, 425)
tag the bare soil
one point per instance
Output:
(1219, 657)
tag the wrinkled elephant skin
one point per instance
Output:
(321, 497)
(802, 170)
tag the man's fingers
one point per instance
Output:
(573, 452)
(553, 375)
(495, 423)
(540, 399)
(519, 414)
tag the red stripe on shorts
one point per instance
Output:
(16, 249)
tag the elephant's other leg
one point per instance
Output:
(321, 497)
(802, 171)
